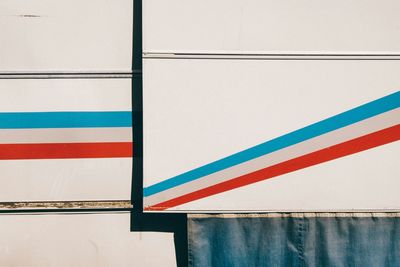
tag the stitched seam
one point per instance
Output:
(300, 241)
(190, 238)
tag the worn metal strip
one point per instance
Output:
(255, 56)
(67, 75)
(61, 205)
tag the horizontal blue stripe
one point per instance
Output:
(360, 113)
(29, 120)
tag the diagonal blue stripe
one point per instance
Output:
(357, 114)
(27, 120)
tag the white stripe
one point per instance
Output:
(65, 135)
(65, 95)
(364, 127)
(65, 179)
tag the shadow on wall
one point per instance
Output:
(151, 222)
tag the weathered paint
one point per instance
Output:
(35, 205)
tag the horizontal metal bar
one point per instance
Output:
(63, 211)
(68, 75)
(272, 56)
(66, 205)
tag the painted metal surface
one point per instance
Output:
(80, 240)
(70, 35)
(271, 27)
(65, 139)
(315, 127)
(65, 105)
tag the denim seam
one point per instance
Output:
(190, 239)
(300, 241)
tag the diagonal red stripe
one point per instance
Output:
(65, 150)
(369, 141)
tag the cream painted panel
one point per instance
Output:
(199, 111)
(272, 27)
(80, 240)
(65, 35)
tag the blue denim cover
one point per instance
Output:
(312, 239)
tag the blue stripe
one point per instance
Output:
(27, 120)
(360, 113)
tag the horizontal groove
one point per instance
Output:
(275, 54)
(67, 205)
(68, 75)
(272, 56)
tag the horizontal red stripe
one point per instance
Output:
(66, 150)
(369, 141)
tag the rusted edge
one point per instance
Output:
(32, 205)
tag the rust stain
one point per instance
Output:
(114, 204)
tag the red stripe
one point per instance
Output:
(369, 141)
(66, 150)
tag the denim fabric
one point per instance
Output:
(294, 240)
